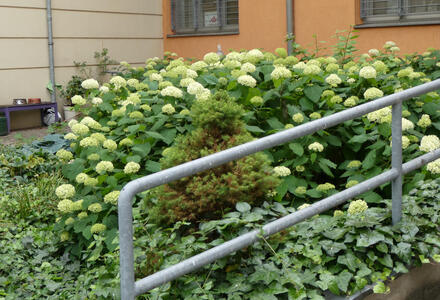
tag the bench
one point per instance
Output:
(6, 109)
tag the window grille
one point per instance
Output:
(204, 16)
(399, 11)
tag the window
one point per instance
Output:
(204, 16)
(400, 12)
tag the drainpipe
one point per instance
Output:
(50, 43)
(289, 14)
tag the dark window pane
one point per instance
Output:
(423, 6)
(232, 12)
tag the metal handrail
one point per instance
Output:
(130, 288)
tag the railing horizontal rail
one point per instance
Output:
(129, 288)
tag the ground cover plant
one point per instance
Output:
(149, 118)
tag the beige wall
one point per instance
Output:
(131, 30)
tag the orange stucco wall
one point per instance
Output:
(262, 25)
(324, 17)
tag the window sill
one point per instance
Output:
(202, 34)
(397, 24)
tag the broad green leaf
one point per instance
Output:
(359, 139)
(254, 129)
(369, 160)
(313, 92)
(152, 166)
(343, 279)
(242, 207)
(275, 123)
(296, 148)
(370, 238)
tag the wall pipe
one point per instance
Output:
(53, 97)
(289, 15)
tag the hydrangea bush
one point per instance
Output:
(129, 121)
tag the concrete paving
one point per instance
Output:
(21, 136)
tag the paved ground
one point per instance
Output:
(23, 136)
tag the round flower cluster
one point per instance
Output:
(145, 107)
(81, 177)
(168, 109)
(211, 58)
(185, 82)
(90, 181)
(325, 187)
(112, 197)
(248, 67)
(332, 67)
(357, 207)
(317, 147)
(380, 66)
(64, 154)
(131, 168)
(104, 89)
(90, 122)
(65, 206)
(333, 80)
(368, 72)
(104, 166)
(89, 142)
(373, 52)
(338, 213)
(118, 82)
(156, 77)
(351, 183)
(69, 221)
(380, 115)
(425, 121)
(405, 72)
(110, 145)
(434, 167)
(71, 136)
(327, 93)
(351, 101)
(172, 91)
(315, 115)
(300, 190)
(96, 101)
(298, 118)
(351, 80)
(98, 136)
(97, 228)
(247, 80)
(82, 215)
(281, 171)
(185, 112)
(195, 88)
(405, 142)
(126, 142)
(257, 100)
(198, 66)
(429, 143)
(301, 66)
(305, 205)
(77, 99)
(232, 64)
(336, 99)
(389, 44)
(311, 69)
(354, 164)
(280, 72)
(132, 82)
(93, 156)
(89, 84)
(64, 236)
(136, 115)
(407, 124)
(95, 207)
(65, 191)
(253, 56)
(300, 168)
(373, 93)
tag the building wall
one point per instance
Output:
(262, 24)
(323, 18)
(131, 33)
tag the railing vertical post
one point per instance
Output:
(126, 256)
(396, 162)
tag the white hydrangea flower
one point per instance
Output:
(301, 65)
(89, 84)
(280, 72)
(65, 191)
(407, 124)
(389, 44)
(195, 88)
(64, 155)
(96, 101)
(104, 166)
(168, 109)
(305, 205)
(191, 73)
(198, 66)
(394, 49)
(131, 168)
(132, 82)
(425, 121)
(373, 52)
(156, 77)
(368, 72)
(80, 129)
(112, 197)
(325, 187)
(379, 115)
(298, 118)
(373, 93)
(77, 99)
(351, 80)
(357, 207)
(380, 66)
(233, 56)
(81, 177)
(110, 144)
(95, 207)
(104, 89)
(247, 80)
(211, 58)
(248, 67)
(254, 56)
(89, 142)
(312, 69)
(204, 95)
(256, 100)
(70, 136)
(281, 171)
(316, 147)
(434, 167)
(65, 206)
(118, 82)
(429, 143)
(97, 228)
(172, 91)
(333, 80)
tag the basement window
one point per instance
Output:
(199, 17)
(379, 13)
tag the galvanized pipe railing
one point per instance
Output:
(130, 288)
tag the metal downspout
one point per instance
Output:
(289, 15)
(53, 98)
